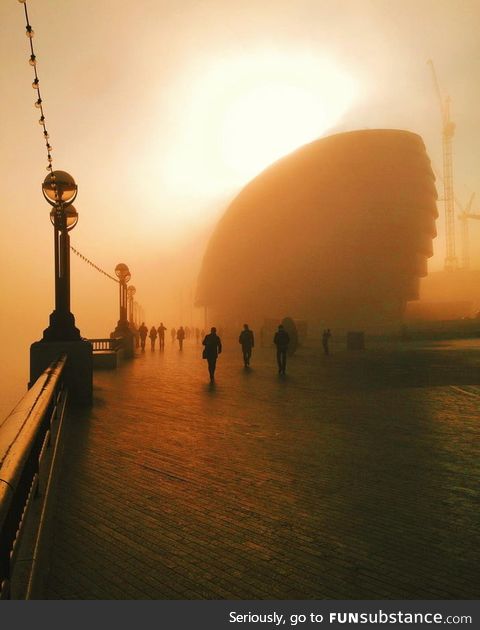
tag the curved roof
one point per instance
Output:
(337, 228)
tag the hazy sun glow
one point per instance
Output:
(266, 123)
(241, 114)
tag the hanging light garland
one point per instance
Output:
(92, 264)
(36, 86)
(42, 122)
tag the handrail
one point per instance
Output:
(23, 437)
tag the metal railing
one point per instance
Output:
(106, 344)
(24, 439)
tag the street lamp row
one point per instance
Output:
(60, 191)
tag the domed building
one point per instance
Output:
(337, 233)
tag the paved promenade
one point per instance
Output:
(356, 476)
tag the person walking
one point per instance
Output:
(325, 340)
(143, 332)
(161, 336)
(213, 347)
(180, 337)
(281, 340)
(247, 342)
(153, 337)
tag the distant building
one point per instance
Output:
(338, 233)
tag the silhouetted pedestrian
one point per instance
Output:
(153, 337)
(281, 340)
(161, 336)
(143, 332)
(213, 347)
(325, 339)
(180, 337)
(247, 342)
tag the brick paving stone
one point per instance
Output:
(354, 477)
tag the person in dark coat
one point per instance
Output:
(180, 337)
(161, 335)
(213, 347)
(247, 342)
(153, 337)
(281, 340)
(143, 332)
(291, 329)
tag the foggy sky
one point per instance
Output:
(119, 81)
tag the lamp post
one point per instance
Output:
(123, 328)
(135, 314)
(123, 274)
(130, 293)
(62, 336)
(131, 314)
(60, 190)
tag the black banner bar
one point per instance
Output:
(239, 615)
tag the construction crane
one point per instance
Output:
(463, 216)
(448, 130)
(464, 213)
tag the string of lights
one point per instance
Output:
(42, 121)
(36, 86)
(92, 264)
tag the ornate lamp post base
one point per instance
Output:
(128, 339)
(79, 366)
(62, 328)
(122, 328)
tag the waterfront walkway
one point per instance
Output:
(354, 477)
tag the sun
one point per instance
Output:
(239, 114)
(267, 122)
(274, 102)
